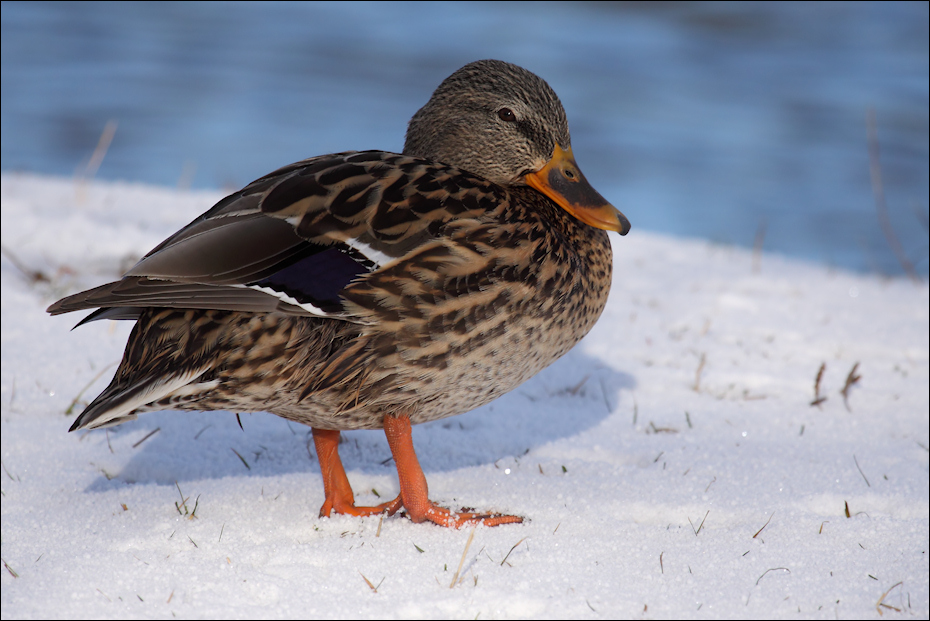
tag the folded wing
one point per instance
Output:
(293, 240)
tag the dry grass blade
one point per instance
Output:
(851, 380)
(183, 505)
(878, 190)
(183, 501)
(100, 151)
(764, 525)
(511, 550)
(368, 582)
(455, 578)
(701, 524)
(697, 374)
(241, 458)
(7, 472)
(146, 437)
(193, 514)
(654, 429)
(881, 600)
(772, 569)
(861, 472)
(817, 398)
(10, 569)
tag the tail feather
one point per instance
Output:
(120, 403)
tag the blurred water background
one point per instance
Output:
(734, 122)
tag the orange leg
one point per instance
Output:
(414, 494)
(339, 496)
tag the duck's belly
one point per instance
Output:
(427, 366)
(422, 386)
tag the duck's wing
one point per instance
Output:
(293, 240)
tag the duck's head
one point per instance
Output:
(504, 123)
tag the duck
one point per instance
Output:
(375, 290)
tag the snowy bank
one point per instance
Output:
(671, 465)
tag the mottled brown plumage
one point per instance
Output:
(369, 290)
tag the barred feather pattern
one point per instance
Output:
(367, 209)
(476, 305)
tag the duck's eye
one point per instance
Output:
(506, 114)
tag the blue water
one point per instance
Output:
(706, 120)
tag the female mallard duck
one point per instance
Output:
(369, 290)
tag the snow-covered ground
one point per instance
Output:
(672, 465)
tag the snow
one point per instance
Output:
(671, 465)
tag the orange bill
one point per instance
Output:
(561, 180)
